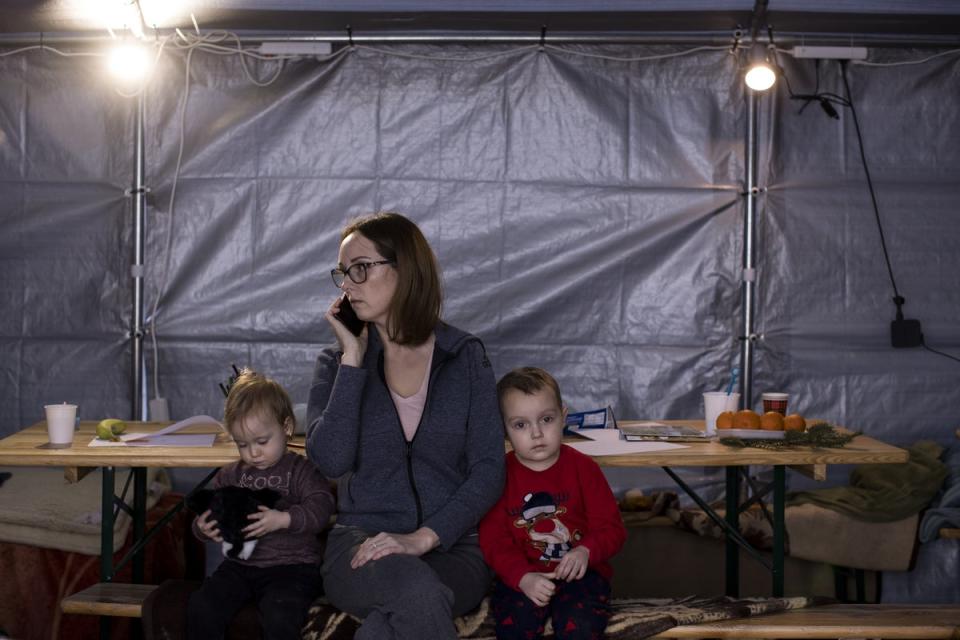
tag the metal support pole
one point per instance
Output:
(748, 276)
(138, 395)
(138, 398)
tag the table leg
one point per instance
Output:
(139, 519)
(106, 537)
(733, 519)
(106, 524)
(779, 527)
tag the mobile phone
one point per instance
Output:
(349, 318)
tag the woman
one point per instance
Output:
(406, 415)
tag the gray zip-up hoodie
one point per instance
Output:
(452, 471)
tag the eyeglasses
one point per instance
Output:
(357, 272)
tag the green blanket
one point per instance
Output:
(885, 492)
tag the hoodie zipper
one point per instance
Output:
(426, 407)
(409, 443)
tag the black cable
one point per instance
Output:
(866, 170)
(825, 99)
(897, 299)
(939, 353)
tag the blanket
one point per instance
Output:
(39, 508)
(945, 511)
(35, 579)
(885, 492)
(633, 618)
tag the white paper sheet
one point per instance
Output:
(180, 440)
(173, 428)
(607, 442)
(163, 437)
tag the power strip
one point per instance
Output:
(829, 53)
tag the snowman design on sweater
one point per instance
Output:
(540, 516)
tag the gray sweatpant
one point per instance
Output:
(400, 596)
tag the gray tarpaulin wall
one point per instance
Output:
(587, 213)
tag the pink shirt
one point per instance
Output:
(410, 409)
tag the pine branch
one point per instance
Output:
(820, 435)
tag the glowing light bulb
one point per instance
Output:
(129, 62)
(760, 77)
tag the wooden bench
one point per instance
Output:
(896, 621)
(109, 599)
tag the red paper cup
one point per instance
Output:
(775, 402)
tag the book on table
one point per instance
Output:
(658, 431)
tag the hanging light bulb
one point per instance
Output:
(129, 62)
(760, 74)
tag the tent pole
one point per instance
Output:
(138, 403)
(748, 287)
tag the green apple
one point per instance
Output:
(110, 428)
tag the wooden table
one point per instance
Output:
(23, 449)
(736, 462)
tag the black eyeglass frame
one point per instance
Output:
(342, 274)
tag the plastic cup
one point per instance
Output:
(775, 402)
(715, 403)
(61, 420)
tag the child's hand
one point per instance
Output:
(208, 527)
(265, 521)
(573, 565)
(538, 587)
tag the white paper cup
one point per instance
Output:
(715, 403)
(61, 419)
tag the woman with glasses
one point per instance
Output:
(405, 415)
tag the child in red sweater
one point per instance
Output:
(551, 534)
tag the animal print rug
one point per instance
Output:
(634, 618)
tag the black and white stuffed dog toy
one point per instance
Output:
(230, 506)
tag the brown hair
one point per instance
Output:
(415, 308)
(529, 380)
(252, 392)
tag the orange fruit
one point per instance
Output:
(746, 419)
(794, 422)
(725, 420)
(771, 421)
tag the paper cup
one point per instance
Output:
(61, 420)
(775, 402)
(715, 403)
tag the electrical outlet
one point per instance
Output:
(159, 410)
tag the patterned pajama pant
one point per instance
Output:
(579, 610)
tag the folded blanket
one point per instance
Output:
(885, 492)
(946, 509)
(38, 507)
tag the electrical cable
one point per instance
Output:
(866, 170)
(897, 299)
(208, 44)
(939, 353)
(902, 63)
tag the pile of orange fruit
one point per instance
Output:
(770, 421)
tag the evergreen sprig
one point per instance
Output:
(819, 435)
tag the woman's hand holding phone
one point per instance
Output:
(353, 345)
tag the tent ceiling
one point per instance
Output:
(935, 21)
